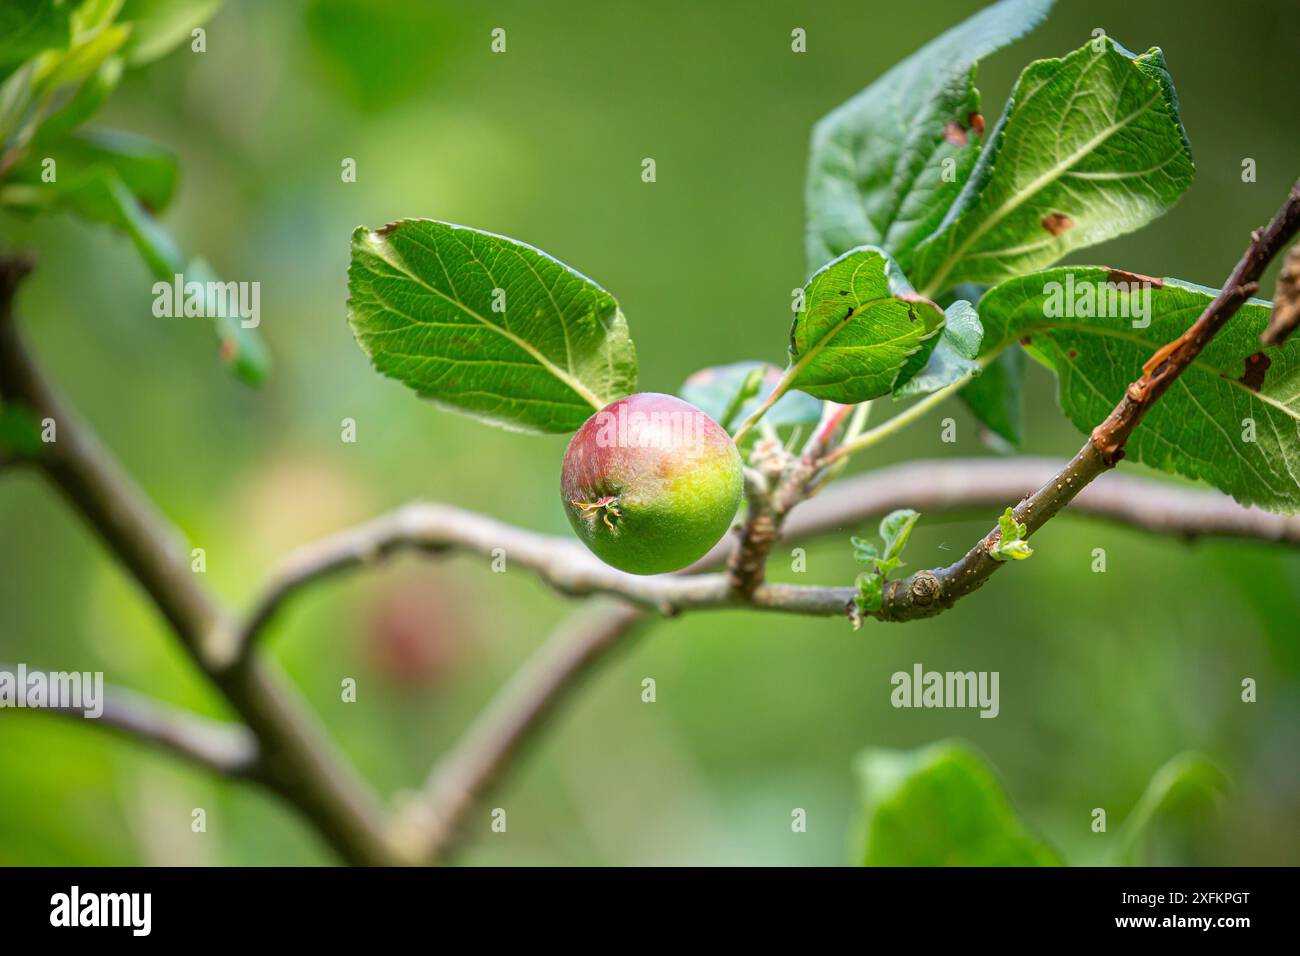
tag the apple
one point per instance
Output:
(650, 483)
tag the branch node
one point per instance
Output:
(926, 589)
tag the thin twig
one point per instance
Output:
(928, 486)
(293, 759)
(970, 484)
(833, 415)
(929, 592)
(224, 748)
(486, 749)
(296, 759)
(434, 821)
(1286, 302)
(900, 421)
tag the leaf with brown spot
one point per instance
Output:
(1095, 133)
(1257, 366)
(1117, 276)
(1057, 223)
(1233, 417)
(875, 161)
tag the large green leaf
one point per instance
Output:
(121, 180)
(93, 92)
(146, 168)
(29, 26)
(860, 324)
(54, 81)
(487, 325)
(1090, 147)
(731, 393)
(1202, 426)
(941, 805)
(103, 196)
(158, 26)
(877, 162)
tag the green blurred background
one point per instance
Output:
(1103, 676)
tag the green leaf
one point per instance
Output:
(953, 358)
(941, 805)
(995, 396)
(877, 162)
(864, 550)
(860, 323)
(1230, 420)
(51, 82)
(731, 393)
(146, 168)
(1186, 779)
(241, 348)
(90, 15)
(83, 59)
(486, 325)
(107, 199)
(158, 26)
(101, 195)
(870, 585)
(1090, 147)
(1011, 543)
(16, 93)
(84, 103)
(29, 26)
(895, 529)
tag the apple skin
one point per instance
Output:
(650, 483)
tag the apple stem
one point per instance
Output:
(781, 388)
(833, 415)
(898, 422)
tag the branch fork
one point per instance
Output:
(277, 743)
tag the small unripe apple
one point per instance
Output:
(650, 483)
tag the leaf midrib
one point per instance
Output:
(1035, 186)
(386, 253)
(833, 331)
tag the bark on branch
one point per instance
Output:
(928, 486)
(224, 748)
(295, 758)
(433, 823)
(929, 592)
(286, 752)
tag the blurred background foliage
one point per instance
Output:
(1104, 677)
